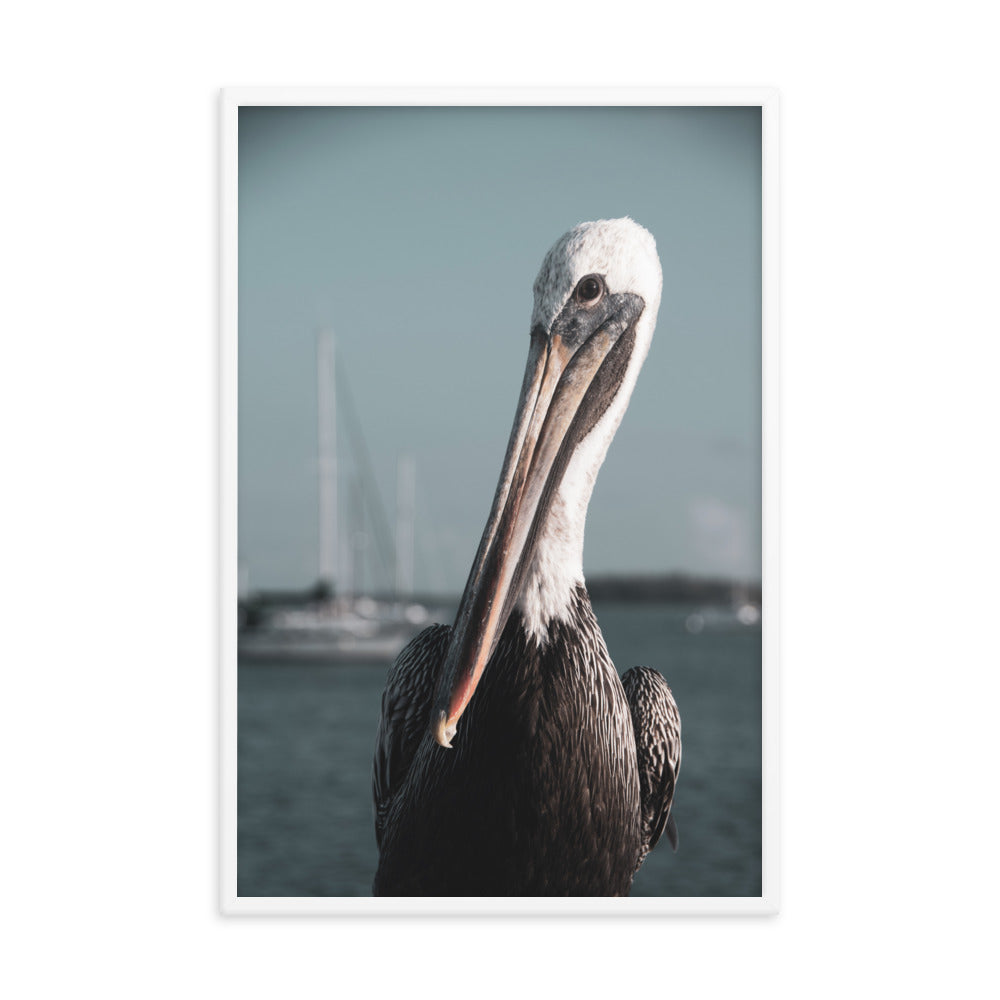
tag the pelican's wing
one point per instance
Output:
(657, 725)
(406, 706)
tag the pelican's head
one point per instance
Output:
(596, 299)
(620, 254)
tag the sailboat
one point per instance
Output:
(743, 611)
(337, 621)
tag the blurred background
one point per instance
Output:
(386, 257)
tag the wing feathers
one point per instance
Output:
(406, 705)
(657, 725)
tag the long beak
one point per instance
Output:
(564, 392)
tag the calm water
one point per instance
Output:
(306, 734)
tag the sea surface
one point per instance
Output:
(306, 734)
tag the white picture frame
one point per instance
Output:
(231, 101)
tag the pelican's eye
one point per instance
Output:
(590, 290)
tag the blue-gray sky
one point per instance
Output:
(415, 234)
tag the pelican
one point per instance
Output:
(561, 776)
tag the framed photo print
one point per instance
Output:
(499, 540)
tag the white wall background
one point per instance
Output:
(890, 550)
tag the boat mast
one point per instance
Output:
(405, 492)
(325, 374)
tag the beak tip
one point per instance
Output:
(443, 731)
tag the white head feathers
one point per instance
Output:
(619, 249)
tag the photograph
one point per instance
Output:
(498, 456)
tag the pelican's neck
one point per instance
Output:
(556, 570)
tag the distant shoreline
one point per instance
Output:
(646, 588)
(671, 588)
